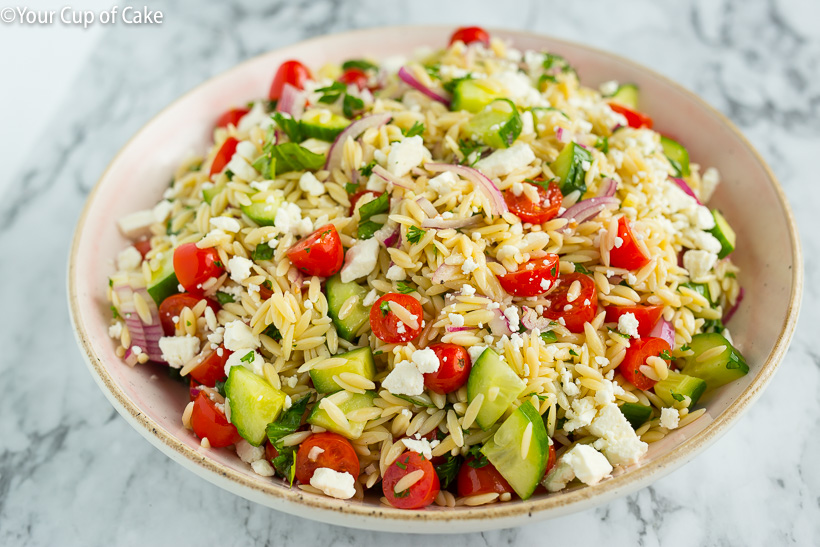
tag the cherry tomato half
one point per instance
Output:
(647, 316)
(172, 306)
(231, 117)
(480, 480)
(194, 266)
(547, 206)
(223, 157)
(468, 35)
(320, 253)
(386, 325)
(633, 118)
(421, 493)
(354, 199)
(551, 458)
(636, 355)
(454, 368)
(290, 72)
(581, 310)
(331, 450)
(143, 246)
(212, 368)
(628, 255)
(354, 76)
(532, 278)
(208, 421)
(271, 452)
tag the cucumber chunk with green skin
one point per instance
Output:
(358, 361)
(472, 96)
(164, 281)
(700, 288)
(677, 386)
(627, 95)
(716, 370)
(723, 233)
(636, 414)
(505, 450)
(322, 124)
(497, 125)
(208, 194)
(497, 382)
(569, 167)
(419, 400)
(254, 403)
(337, 294)
(677, 155)
(355, 401)
(263, 212)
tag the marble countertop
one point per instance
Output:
(72, 472)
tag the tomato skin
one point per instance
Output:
(231, 117)
(531, 278)
(636, 355)
(633, 118)
(468, 35)
(271, 452)
(172, 306)
(354, 76)
(453, 370)
(194, 266)
(224, 155)
(579, 312)
(551, 458)
(629, 255)
(208, 421)
(354, 199)
(422, 493)
(547, 207)
(647, 316)
(480, 480)
(212, 369)
(338, 454)
(386, 325)
(143, 246)
(320, 253)
(290, 72)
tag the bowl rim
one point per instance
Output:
(291, 500)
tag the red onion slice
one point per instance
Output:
(427, 207)
(531, 320)
(497, 204)
(407, 77)
(588, 208)
(445, 272)
(334, 155)
(146, 337)
(499, 324)
(291, 102)
(451, 328)
(664, 329)
(731, 311)
(386, 175)
(608, 188)
(686, 189)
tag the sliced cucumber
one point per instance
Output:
(254, 404)
(700, 288)
(263, 212)
(498, 125)
(677, 156)
(355, 401)
(677, 386)
(164, 281)
(500, 385)
(208, 194)
(627, 95)
(569, 167)
(472, 96)
(322, 124)
(420, 400)
(505, 450)
(636, 414)
(359, 361)
(724, 233)
(337, 294)
(719, 369)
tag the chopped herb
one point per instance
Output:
(713, 325)
(676, 396)
(581, 269)
(288, 422)
(535, 109)
(685, 347)
(468, 148)
(416, 129)
(359, 64)
(549, 337)
(378, 352)
(285, 463)
(248, 358)
(263, 251)
(368, 229)
(272, 332)
(115, 313)
(479, 460)
(291, 127)
(733, 275)
(405, 288)
(331, 93)
(370, 209)
(384, 307)
(602, 144)
(218, 264)
(267, 284)
(553, 271)
(434, 71)
(401, 465)
(452, 84)
(414, 234)
(187, 323)
(367, 170)
(573, 352)
(220, 387)
(351, 188)
(110, 282)
(224, 297)
(351, 104)
(402, 494)
(229, 174)
(448, 471)
(168, 229)
(290, 156)
(622, 335)
(545, 184)
(665, 355)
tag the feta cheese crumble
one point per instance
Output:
(334, 484)
(628, 324)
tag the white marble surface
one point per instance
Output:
(73, 473)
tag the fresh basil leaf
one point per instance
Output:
(549, 337)
(416, 129)
(288, 422)
(579, 268)
(367, 229)
(351, 105)
(374, 207)
(291, 127)
(367, 170)
(479, 459)
(263, 251)
(272, 332)
(602, 144)
(405, 287)
(223, 297)
(285, 463)
(332, 92)
(359, 64)
(448, 471)
(290, 156)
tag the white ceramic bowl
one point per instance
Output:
(768, 254)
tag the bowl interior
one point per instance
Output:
(767, 254)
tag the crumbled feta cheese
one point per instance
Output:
(136, 224)
(708, 183)
(467, 290)
(404, 379)
(568, 385)
(443, 183)
(588, 465)
(240, 268)
(517, 188)
(698, 263)
(628, 324)
(239, 336)
(608, 88)
(670, 418)
(360, 260)
(370, 298)
(309, 184)
(334, 484)
(263, 468)
(376, 184)
(706, 242)
(289, 219)
(519, 88)
(513, 321)
(505, 161)
(476, 351)
(162, 210)
(395, 273)
(226, 224)
(456, 319)
(618, 440)
(241, 169)
(702, 218)
(178, 350)
(421, 446)
(249, 453)
(581, 414)
(256, 116)
(400, 328)
(115, 330)
(426, 360)
(247, 150)
(129, 259)
(248, 358)
(469, 266)
(315, 452)
(406, 154)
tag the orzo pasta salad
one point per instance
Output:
(451, 279)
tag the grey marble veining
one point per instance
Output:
(73, 473)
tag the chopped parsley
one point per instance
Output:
(248, 358)
(218, 264)
(110, 282)
(367, 170)
(115, 313)
(351, 105)
(434, 71)
(478, 460)
(448, 471)
(602, 144)
(219, 386)
(229, 174)
(288, 422)
(331, 93)
(224, 297)
(358, 64)
(414, 234)
(622, 335)
(263, 251)
(401, 465)
(665, 355)
(573, 352)
(581, 269)
(676, 396)
(272, 332)
(416, 129)
(351, 188)
(402, 494)
(405, 287)
(384, 307)
(549, 337)
(470, 148)
(545, 184)
(370, 209)
(685, 347)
